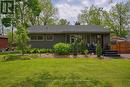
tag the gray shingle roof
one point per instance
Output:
(68, 29)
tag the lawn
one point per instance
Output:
(114, 71)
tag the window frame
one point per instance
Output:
(51, 39)
(37, 37)
(43, 38)
(33, 36)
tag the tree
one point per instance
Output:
(27, 11)
(92, 15)
(48, 12)
(6, 22)
(31, 12)
(22, 18)
(10, 38)
(22, 38)
(35, 9)
(63, 22)
(117, 19)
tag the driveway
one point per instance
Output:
(125, 56)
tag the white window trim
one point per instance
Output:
(37, 38)
(42, 36)
(52, 38)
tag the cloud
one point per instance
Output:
(69, 12)
(86, 3)
(70, 9)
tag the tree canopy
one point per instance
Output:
(63, 22)
(117, 19)
(92, 15)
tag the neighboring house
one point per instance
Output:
(47, 36)
(3, 42)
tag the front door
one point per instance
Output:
(71, 38)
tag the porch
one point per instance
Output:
(91, 40)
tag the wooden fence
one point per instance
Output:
(121, 46)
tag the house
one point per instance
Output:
(47, 36)
(3, 42)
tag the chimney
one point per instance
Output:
(77, 23)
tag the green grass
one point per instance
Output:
(114, 71)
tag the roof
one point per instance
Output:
(3, 37)
(68, 29)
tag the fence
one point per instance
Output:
(121, 46)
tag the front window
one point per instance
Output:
(40, 37)
(73, 38)
(33, 37)
(37, 37)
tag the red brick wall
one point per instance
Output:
(3, 42)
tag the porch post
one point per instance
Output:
(90, 38)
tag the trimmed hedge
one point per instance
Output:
(62, 48)
(12, 57)
(99, 50)
(38, 50)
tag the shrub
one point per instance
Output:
(78, 46)
(62, 48)
(12, 57)
(46, 50)
(86, 52)
(82, 46)
(99, 50)
(74, 48)
(38, 50)
(13, 52)
(25, 57)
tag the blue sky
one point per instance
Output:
(70, 9)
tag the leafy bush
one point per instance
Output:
(46, 50)
(78, 46)
(13, 52)
(82, 46)
(38, 50)
(86, 52)
(62, 48)
(25, 57)
(12, 57)
(99, 50)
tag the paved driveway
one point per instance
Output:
(126, 56)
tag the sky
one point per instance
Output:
(70, 9)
